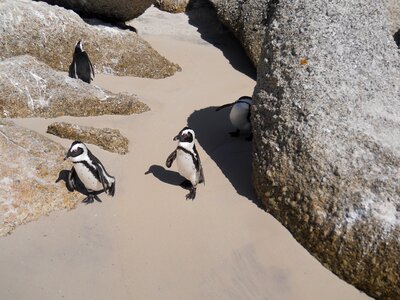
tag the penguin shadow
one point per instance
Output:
(203, 16)
(233, 155)
(79, 187)
(166, 176)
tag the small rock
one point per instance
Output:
(106, 138)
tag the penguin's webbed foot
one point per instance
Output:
(192, 194)
(90, 199)
(235, 133)
(186, 184)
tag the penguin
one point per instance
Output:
(81, 66)
(188, 161)
(90, 172)
(240, 115)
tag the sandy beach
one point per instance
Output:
(149, 242)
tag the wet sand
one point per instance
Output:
(148, 242)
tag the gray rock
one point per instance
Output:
(172, 6)
(30, 164)
(50, 33)
(106, 138)
(247, 21)
(29, 88)
(327, 136)
(120, 10)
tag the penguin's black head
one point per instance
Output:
(186, 135)
(79, 47)
(76, 149)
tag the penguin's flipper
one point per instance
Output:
(199, 166)
(170, 159)
(225, 105)
(70, 183)
(235, 133)
(71, 70)
(90, 65)
(108, 186)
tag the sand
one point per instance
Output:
(148, 242)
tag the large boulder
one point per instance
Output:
(120, 10)
(30, 165)
(327, 135)
(29, 88)
(247, 21)
(50, 33)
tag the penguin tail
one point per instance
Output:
(111, 190)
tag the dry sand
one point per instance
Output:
(148, 242)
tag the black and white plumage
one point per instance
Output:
(240, 115)
(187, 160)
(90, 172)
(81, 66)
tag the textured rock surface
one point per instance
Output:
(30, 165)
(172, 6)
(29, 88)
(106, 138)
(120, 10)
(50, 33)
(246, 19)
(327, 136)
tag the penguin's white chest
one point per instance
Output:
(186, 166)
(87, 177)
(238, 116)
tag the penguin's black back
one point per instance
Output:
(81, 67)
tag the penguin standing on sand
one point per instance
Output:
(188, 161)
(81, 66)
(90, 172)
(240, 115)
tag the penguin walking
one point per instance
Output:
(240, 115)
(188, 161)
(81, 66)
(90, 172)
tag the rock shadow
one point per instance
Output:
(233, 155)
(119, 25)
(203, 16)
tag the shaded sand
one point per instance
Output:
(149, 242)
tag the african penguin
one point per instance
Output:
(81, 66)
(90, 171)
(187, 160)
(240, 115)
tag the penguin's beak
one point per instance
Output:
(66, 156)
(176, 138)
